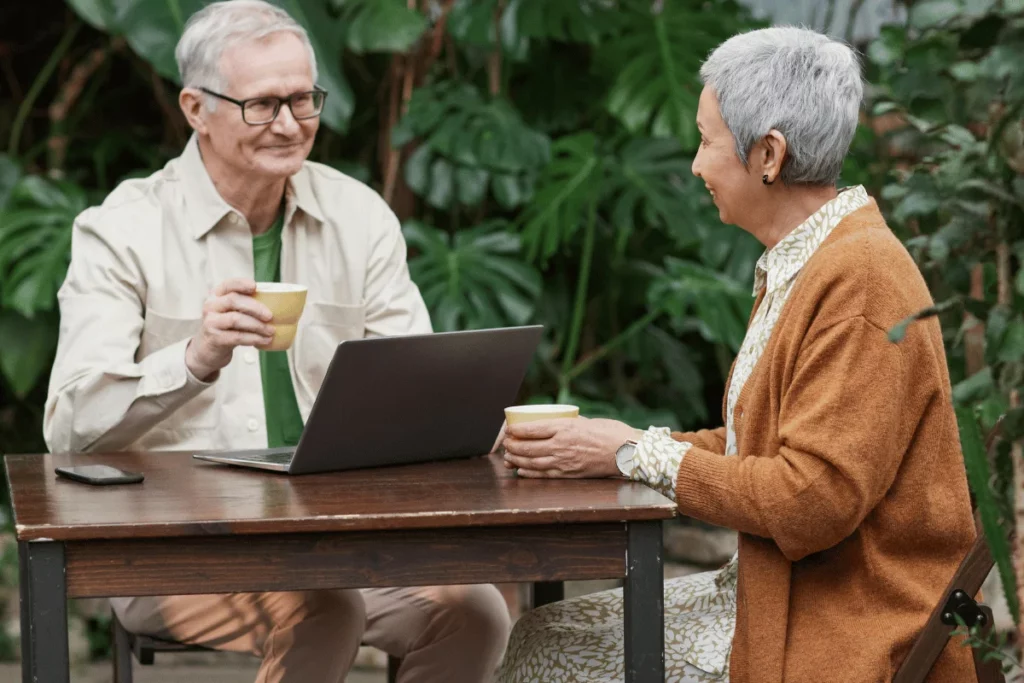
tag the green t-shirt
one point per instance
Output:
(284, 421)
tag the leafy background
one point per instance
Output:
(538, 154)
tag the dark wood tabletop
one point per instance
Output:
(183, 497)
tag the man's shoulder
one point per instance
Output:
(133, 206)
(335, 190)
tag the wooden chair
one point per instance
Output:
(957, 599)
(128, 645)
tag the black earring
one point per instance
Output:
(764, 179)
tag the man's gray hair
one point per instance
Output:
(797, 81)
(221, 25)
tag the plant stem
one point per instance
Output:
(37, 85)
(580, 306)
(611, 345)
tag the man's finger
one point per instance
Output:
(243, 303)
(240, 322)
(538, 429)
(242, 285)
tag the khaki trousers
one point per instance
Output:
(450, 634)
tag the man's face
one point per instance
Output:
(275, 66)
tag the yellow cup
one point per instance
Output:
(529, 413)
(285, 302)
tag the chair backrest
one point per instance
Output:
(969, 576)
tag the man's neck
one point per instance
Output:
(258, 198)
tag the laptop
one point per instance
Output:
(401, 400)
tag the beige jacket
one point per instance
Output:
(143, 263)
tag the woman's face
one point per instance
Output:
(733, 187)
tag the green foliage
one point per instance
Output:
(380, 25)
(660, 47)
(473, 279)
(953, 77)
(469, 145)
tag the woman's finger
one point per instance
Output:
(542, 463)
(540, 474)
(528, 449)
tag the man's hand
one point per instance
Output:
(566, 448)
(231, 317)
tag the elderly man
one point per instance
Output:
(160, 338)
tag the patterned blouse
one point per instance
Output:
(658, 456)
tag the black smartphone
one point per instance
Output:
(99, 475)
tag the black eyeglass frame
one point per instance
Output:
(277, 108)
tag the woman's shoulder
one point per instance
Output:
(863, 269)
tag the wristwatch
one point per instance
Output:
(624, 457)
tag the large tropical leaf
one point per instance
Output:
(473, 279)
(35, 242)
(643, 181)
(656, 58)
(380, 25)
(28, 345)
(469, 145)
(570, 186)
(579, 21)
(471, 23)
(152, 29)
(694, 294)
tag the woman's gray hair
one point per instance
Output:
(797, 81)
(221, 25)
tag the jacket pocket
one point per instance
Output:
(322, 327)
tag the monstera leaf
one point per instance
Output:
(656, 58)
(720, 304)
(28, 345)
(474, 278)
(35, 242)
(152, 29)
(469, 144)
(646, 179)
(380, 25)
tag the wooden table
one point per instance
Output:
(195, 527)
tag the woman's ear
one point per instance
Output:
(191, 102)
(773, 155)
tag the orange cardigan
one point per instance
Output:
(849, 489)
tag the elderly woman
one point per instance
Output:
(839, 462)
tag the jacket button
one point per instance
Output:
(253, 424)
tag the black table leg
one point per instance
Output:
(546, 592)
(644, 600)
(44, 617)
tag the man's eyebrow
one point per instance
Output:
(700, 127)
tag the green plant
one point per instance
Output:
(953, 92)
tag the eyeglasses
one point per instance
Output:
(259, 111)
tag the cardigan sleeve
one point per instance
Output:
(712, 440)
(842, 434)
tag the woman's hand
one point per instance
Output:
(566, 448)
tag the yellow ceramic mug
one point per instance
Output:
(285, 302)
(529, 413)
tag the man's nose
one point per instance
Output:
(695, 166)
(285, 122)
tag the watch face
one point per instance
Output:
(624, 457)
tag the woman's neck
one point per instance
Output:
(788, 209)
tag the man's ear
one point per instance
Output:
(772, 151)
(191, 102)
